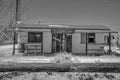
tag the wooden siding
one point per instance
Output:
(47, 41)
(77, 47)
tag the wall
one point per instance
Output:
(47, 39)
(77, 47)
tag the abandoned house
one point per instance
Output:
(75, 39)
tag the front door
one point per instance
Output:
(69, 43)
(60, 41)
(56, 43)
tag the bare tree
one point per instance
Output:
(7, 20)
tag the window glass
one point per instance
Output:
(34, 37)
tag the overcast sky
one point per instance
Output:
(82, 12)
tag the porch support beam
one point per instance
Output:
(109, 43)
(14, 35)
(63, 43)
(86, 43)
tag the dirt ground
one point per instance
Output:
(58, 76)
(6, 51)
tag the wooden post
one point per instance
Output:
(109, 43)
(17, 18)
(14, 35)
(63, 43)
(60, 43)
(86, 43)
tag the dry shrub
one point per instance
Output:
(63, 57)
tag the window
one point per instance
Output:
(34, 37)
(90, 38)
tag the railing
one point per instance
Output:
(33, 49)
(27, 64)
(99, 50)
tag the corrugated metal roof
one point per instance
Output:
(51, 26)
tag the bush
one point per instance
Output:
(63, 57)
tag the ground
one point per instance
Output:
(5, 50)
(6, 56)
(58, 76)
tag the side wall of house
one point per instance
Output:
(47, 40)
(77, 47)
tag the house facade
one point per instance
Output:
(45, 38)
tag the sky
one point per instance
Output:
(79, 12)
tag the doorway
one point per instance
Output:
(69, 43)
(60, 41)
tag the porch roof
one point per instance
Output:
(52, 26)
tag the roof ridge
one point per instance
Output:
(101, 27)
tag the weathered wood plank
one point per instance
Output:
(68, 67)
(42, 64)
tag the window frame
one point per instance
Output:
(94, 37)
(83, 35)
(35, 41)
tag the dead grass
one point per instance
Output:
(6, 50)
(63, 57)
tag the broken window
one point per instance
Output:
(90, 38)
(34, 37)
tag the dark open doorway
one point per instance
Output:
(57, 42)
(69, 43)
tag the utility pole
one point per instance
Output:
(17, 18)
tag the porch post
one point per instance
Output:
(60, 44)
(63, 43)
(86, 43)
(109, 43)
(14, 35)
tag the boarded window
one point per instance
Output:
(34, 37)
